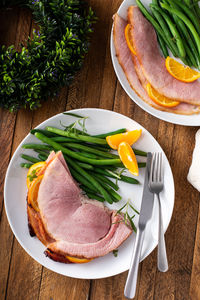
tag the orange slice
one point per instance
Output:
(77, 260)
(160, 99)
(130, 137)
(129, 39)
(128, 158)
(33, 192)
(181, 72)
(33, 171)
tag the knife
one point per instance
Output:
(145, 215)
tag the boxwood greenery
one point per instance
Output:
(51, 57)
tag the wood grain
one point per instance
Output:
(96, 85)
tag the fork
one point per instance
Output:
(156, 184)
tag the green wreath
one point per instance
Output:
(51, 58)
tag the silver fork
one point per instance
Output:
(156, 184)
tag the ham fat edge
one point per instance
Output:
(68, 223)
(133, 68)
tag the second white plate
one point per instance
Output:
(193, 120)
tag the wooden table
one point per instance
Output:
(97, 86)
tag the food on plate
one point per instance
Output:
(128, 38)
(193, 174)
(178, 25)
(181, 72)
(128, 158)
(67, 222)
(134, 72)
(33, 172)
(160, 99)
(152, 63)
(130, 137)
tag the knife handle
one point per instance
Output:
(131, 282)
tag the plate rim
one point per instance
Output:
(6, 184)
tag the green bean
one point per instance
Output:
(92, 195)
(43, 131)
(190, 56)
(186, 21)
(26, 165)
(104, 135)
(139, 152)
(162, 23)
(106, 180)
(122, 177)
(85, 166)
(189, 13)
(42, 152)
(173, 30)
(42, 157)
(186, 34)
(196, 8)
(162, 46)
(172, 46)
(62, 139)
(141, 165)
(79, 178)
(115, 196)
(95, 197)
(90, 150)
(91, 179)
(80, 137)
(37, 147)
(89, 155)
(30, 158)
(75, 155)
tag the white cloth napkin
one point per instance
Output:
(194, 171)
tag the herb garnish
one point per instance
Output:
(115, 252)
(32, 175)
(126, 217)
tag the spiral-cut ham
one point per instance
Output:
(70, 224)
(134, 72)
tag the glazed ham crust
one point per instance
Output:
(153, 64)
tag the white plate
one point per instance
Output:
(193, 120)
(100, 121)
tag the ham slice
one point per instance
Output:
(134, 72)
(69, 223)
(153, 64)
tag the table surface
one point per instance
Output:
(97, 86)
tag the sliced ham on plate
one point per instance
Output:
(134, 72)
(153, 64)
(70, 224)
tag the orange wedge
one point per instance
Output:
(33, 192)
(160, 99)
(181, 72)
(129, 39)
(33, 171)
(77, 260)
(128, 158)
(130, 137)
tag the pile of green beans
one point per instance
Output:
(177, 25)
(88, 157)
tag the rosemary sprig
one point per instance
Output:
(32, 175)
(126, 217)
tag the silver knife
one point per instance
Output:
(145, 215)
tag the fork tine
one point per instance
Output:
(152, 168)
(156, 171)
(160, 168)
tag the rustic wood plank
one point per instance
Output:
(20, 262)
(181, 233)
(58, 287)
(10, 34)
(195, 276)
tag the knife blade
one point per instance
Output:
(145, 215)
(147, 197)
